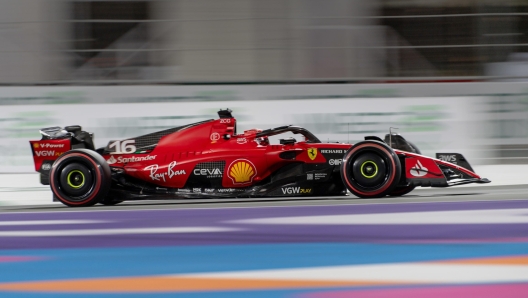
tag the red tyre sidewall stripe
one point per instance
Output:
(96, 186)
(387, 184)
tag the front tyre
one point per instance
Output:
(80, 177)
(370, 169)
(399, 191)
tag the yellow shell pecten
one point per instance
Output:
(242, 172)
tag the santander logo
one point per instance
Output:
(418, 170)
(111, 160)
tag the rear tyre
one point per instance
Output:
(80, 177)
(370, 169)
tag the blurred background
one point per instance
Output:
(253, 41)
(450, 74)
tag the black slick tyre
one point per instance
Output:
(370, 169)
(80, 177)
(403, 190)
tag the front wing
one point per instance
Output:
(422, 170)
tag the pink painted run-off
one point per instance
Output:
(467, 291)
(4, 259)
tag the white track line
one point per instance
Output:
(50, 222)
(399, 272)
(102, 232)
(491, 216)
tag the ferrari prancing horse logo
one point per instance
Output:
(312, 153)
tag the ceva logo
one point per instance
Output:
(418, 170)
(241, 171)
(207, 172)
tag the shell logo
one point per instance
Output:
(241, 171)
(35, 145)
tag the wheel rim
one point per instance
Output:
(75, 179)
(369, 170)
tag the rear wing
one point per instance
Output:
(45, 152)
(56, 141)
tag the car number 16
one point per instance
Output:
(126, 146)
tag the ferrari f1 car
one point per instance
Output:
(209, 159)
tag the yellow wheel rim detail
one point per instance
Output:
(366, 164)
(70, 181)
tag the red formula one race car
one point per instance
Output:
(209, 159)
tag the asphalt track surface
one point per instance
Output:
(458, 242)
